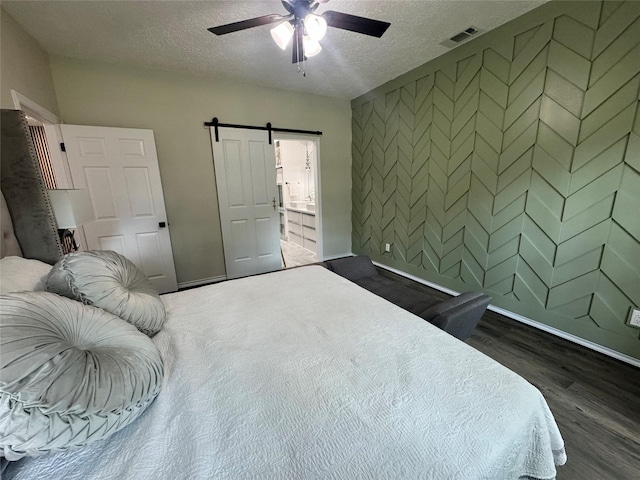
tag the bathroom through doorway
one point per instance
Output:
(299, 199)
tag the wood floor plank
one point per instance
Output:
(594, 398)
(590, 405)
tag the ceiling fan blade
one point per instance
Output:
(353, 23)
(244, 24)
(288, 5)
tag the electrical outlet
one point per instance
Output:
(387, 248)
(634, 318)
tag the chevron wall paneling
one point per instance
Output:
(514, 168)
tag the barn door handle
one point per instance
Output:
(162, 224)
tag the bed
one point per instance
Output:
(303, 374)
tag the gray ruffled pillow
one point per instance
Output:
(110, 281)
(70, 374)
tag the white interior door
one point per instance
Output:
(247, 197)
(119, 168)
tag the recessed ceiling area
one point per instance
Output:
(172, 36)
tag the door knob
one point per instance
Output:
(274, 203)
(162, 224)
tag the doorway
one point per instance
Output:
(298, 179)
(119, 167)
(259, 206)
(48, 124)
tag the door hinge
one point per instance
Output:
(62, 147)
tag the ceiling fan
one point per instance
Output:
(305, 27)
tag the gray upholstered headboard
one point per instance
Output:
(26, 197)
(9, 245)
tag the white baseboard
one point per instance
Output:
(202, 281)
(533, 323)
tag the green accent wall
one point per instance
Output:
(512, 165)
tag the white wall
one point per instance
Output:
(24, 66)
(175, 106)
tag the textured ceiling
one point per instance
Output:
(172, 35)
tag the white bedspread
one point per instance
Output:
(301, 374)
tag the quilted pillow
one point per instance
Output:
(19, 274)
(108, 280)
(70, 374)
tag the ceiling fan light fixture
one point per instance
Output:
(305, 27)
(282, 34)
(316, 26)
(311, 47)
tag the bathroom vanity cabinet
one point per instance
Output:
(301, 225)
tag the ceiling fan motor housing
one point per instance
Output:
(300, 8)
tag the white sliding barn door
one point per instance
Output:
(119, 168)
(246, 180)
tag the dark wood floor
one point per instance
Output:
(594, 398)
